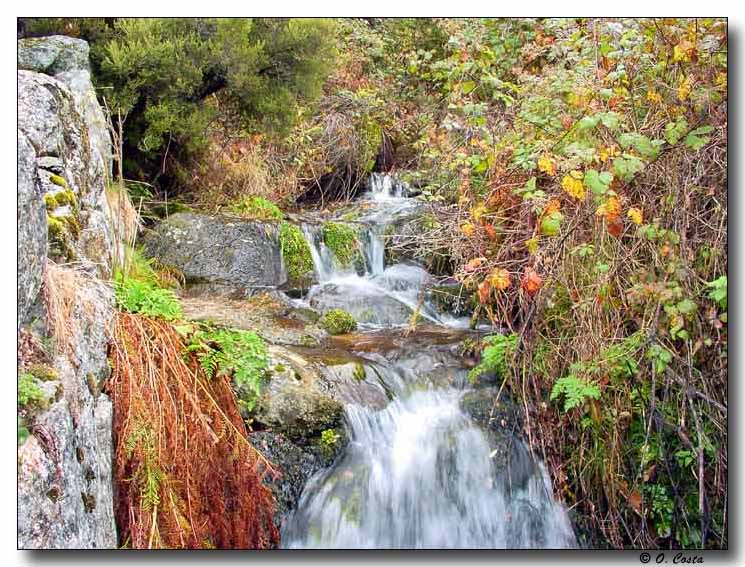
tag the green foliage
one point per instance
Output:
(295, 252)
(342, 240)
(165, 75)
(337, 322)
(144, 297)
(718, 291)
(258, 208)
(575, 391)
(232, 352)
(29, 392)
(497, 353)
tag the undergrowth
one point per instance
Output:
(185, 472)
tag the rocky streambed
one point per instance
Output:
(380, 439)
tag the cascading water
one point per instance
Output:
(417, 473)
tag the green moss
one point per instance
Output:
(258, 208)
(329, 442)
(43, 372)
(58, 180)
(50, 201)
(55, 228)
(296, 252)
(337, 322)
(66, 197)
(342, 240)
(359, 371)
(29, 392)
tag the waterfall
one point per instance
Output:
(417, 473)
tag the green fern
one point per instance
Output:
(575, 391)
(230, 351)
(494, 358)
(145, 297)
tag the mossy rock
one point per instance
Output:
(257, 208)
(343, 241)
(338, 322)
(296, 254)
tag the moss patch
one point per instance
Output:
(338, 322)
(296, 252)
(257, 208)
(342, 240)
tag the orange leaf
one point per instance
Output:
(531, 281)
(484, 289)
(490, 232)
(474, 264)
(615, 226)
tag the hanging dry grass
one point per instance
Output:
(186, 475)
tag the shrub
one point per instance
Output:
(337, 322)
(258, 208)
(342, 240)
(295, 251)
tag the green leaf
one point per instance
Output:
(627, 167)
(598, 182)
(610, 120)
(642, 144)
(588, 122)
(687, 307)
(551, 224)
(674, 131)
(468, 86)
(697, 138)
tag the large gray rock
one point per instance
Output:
(32, 231)
(66, 59)
(219, 249)
(53, 54)
(65, 492)
(49, 118)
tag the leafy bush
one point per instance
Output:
(337, 322)
(258, 208)
(144, 297)
(295, 252)
(230, 351)
(342, 240)
(495, 356)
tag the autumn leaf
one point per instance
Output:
(547, 165)
(553, 206)
(484, 289)
(635, 214)
(615, 226)
(532, 244)
(684, 89)
(478, 212)
(468, 229)
(500, 279)
(474, 264)
(572, 184)
(610, 210)
(531, 281)
(490, 231)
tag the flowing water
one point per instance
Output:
(417, 473)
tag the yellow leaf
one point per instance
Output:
(553, 206)
(532, 244)
(654, 97)
(468, 229)
(478, 212)
(547, 165)
(635, 214)
(572, 184)
(500, 279)
(684, 89)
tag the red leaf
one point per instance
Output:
(531, 281)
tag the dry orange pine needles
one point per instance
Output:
(185, 473)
